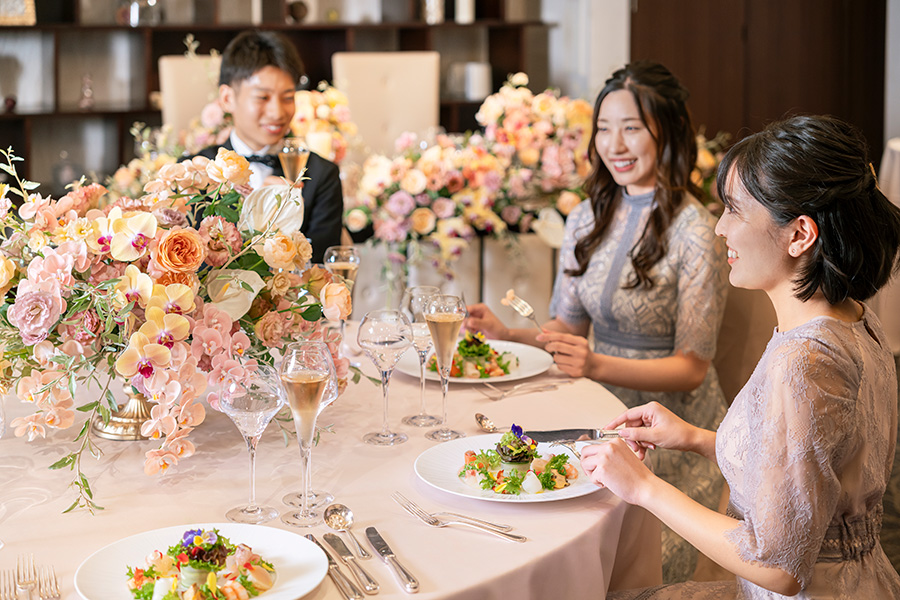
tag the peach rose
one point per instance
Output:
(279, 283)
(567, 202)
(422, 220)
(189, 279)
(356, 220)
(229, 166)
(180, 250)
(413, 182)
(279, 251)
(7, 272)
(315, 278)
(270, 330)
(336, 303)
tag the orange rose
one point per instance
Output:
(315, 279)
(189, 279)
(180, 250)
(229, 166)
(336, 304)
(279, 251)
(567, 202)
(423, 220)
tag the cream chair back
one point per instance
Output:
(389, 93)
(186, 85)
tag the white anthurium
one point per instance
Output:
(233, 290)
(263, 207)
(550, 227)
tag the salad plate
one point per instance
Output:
(299, 564)
(439, 467)
(532, 361)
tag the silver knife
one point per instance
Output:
(369, 585)
(572, 434)
(410, 584)
(346, 587)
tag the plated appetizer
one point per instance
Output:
(515, 467)
(475, 359)
(204, 565)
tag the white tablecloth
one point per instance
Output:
(887, 302)
(577, 548)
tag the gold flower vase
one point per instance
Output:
(125, 424)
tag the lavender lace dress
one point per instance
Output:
(807, 449)
(682, 311)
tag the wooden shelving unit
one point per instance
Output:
(56, 53)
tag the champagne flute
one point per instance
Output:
(413, 306)
(343, 261)
(310, 384)
(445, 316)
(251, 402)
(384, 335)
(293, 156)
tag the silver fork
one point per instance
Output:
(433, 521)
(400, 498)
(7, 585)
(523, 308)
(608, 434)
(522, 388)
(48, 584)
(26, 575)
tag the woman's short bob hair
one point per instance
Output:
(818, 166)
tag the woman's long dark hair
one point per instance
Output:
(660, 99)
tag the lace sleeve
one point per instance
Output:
(702, 282)
(797, 419)
(565, 303)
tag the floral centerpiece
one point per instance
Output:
(322, 118)
(183, 289)
(709, 154)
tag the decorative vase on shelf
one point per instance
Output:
(125, 424)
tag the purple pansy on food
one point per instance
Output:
(519, 433)
(210, 537)
(188, 538)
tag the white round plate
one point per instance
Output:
(439, 467)
(532, 361)
(300, 565)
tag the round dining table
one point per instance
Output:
(577, 548)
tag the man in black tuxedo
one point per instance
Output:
(260, 73)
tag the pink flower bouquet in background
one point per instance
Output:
(322, 118)
(175, 291)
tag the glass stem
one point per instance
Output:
(305, 476)
(385, 380)
(422, 380)
(445, 383)
(251, 447)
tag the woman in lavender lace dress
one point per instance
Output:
(641, 264)
(808, 444)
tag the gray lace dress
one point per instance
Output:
(807, 448)
(682, 311)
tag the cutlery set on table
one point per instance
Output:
(368, 583)
(28, 582)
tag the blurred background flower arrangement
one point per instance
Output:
(177, 291)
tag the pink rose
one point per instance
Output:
(400, 204)
(222, 240)
(33, 314)
(443, 208)
(270, 329)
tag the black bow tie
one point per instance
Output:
(270, 160)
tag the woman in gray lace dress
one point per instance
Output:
(641, 264)
(808, 444)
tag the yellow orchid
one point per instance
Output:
(100, 239)
(134, 286)
(173, 298)
(131, 236)
(163, 328)
(142, 356)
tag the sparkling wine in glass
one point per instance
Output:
(445, 316)
(310, 384)
(293, 156)
(413, 306)
(384, 335)
(343, 261)
(251, 402)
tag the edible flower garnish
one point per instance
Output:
(519, 433)
(189, 535)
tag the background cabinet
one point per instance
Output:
(77, 43)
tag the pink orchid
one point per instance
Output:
(159, 461)
(215, 318)
(33, 425)
(31, 206)
(52, 265)
(208, 342)
(78, 250)
(240, 343)
(159, 424)
(59, 416)
(191, 414)
(178, 444)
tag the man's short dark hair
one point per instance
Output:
(251, 51)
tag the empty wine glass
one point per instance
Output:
(413, 306)
(444, 315)
(384, 335)
(293, 155)
(251, 402)
(343, 261)
(310, 384)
